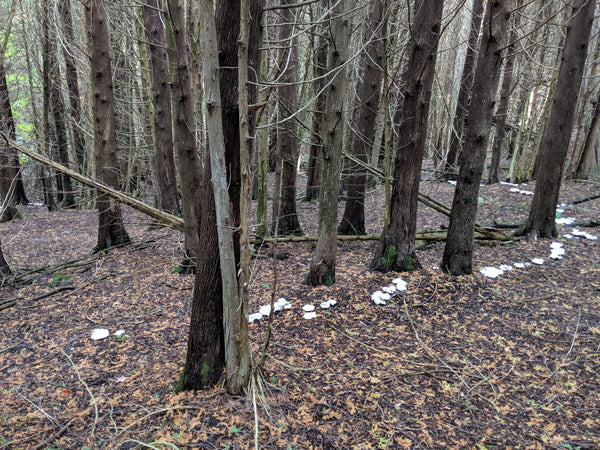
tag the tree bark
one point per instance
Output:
(284, 198)
(72, 79)
(353, 220)
(458, 252)
(164, 162)
(4, 267)
(64, 186)
(188, 163)
(466, 86)
(313, 173)
(396, 248)
(111, 230)
(225, 218)
(322, 269)
(502, 111)
(587, 159)
(555, 142)
(11, 182)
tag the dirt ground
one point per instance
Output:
(467, 362)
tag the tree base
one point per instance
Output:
(320, 275)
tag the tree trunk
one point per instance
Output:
(73, 85)
(205, 357)
(353, 220)
(502, 110)
(11, 182)
(322, 269)
(588, 155)
(284, 198)
(466, 86)
(396, 248)
(111, 231)
(64, 186)
(228, 343)
(555, 142)
(313, 173)
(458, 252)
(164, 162)
(225, 219)
(262, 144)
(4, 267)
(188, 163)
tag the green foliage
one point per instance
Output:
(205, 373)
(409, 262)
(390, 257)
(330, 276)
(179, 385)
(58, 279)
(235, 431)
(23, 158)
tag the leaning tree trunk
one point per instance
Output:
(464, 94)
(322, 269)
(353, 220)
(284, 198)
(111, 231)
(396, 248)
(458, 252)
(164, 162)
(555, 142)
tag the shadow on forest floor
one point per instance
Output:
(450, 362)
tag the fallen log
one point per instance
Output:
(585, 199)
(163, 217)
(426, 235)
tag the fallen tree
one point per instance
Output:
(175, 222)
(163, 217)
(426, 235)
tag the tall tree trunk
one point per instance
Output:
(458, 252)
(164, 162)
(10, 170)
(262, 144)
(63, 182)
(555, 142)
(313, 173)
(502, 110)
(322, 269)
(221, 298)
(466, 86)
(353, 220)
(588, 155)
(72, 79)
(284, 198)
(396, 248)
(188, 163)
(111, 231)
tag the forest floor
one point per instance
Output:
(452, 362)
